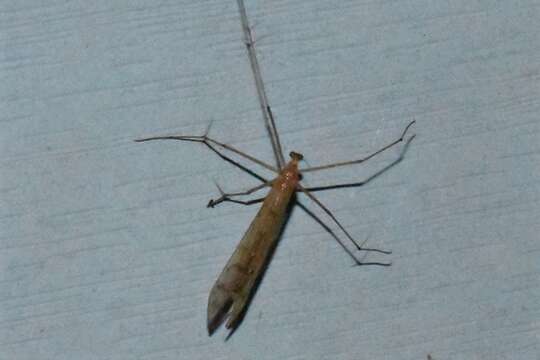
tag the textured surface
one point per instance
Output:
(107, 250)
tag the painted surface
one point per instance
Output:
(107, 250)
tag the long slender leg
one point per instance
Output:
(358, 161)
(227, 196)
(329, 230)
(240, 166)
(338, 239)
(335, 186)
(336, 221)
(259, 84)
(246, 202)
(208, 142)
(370, 178)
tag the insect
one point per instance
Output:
(232, 291)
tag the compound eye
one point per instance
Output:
(296, 156)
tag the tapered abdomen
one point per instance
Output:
(233, 289)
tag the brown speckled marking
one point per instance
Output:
(231, 291)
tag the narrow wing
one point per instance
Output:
(234, 288)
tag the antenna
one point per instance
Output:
(261, 92)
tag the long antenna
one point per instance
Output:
(263, 100)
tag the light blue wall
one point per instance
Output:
(108, 252)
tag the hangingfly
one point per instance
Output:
(232, 291)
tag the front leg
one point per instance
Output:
(227, 196)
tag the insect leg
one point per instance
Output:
(358, 183)
(336, 221)
(358, 161)
(246, 202)
(337, 238)
(211, 143)
(227, 196)
(335, 186)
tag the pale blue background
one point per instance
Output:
(108, 252)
